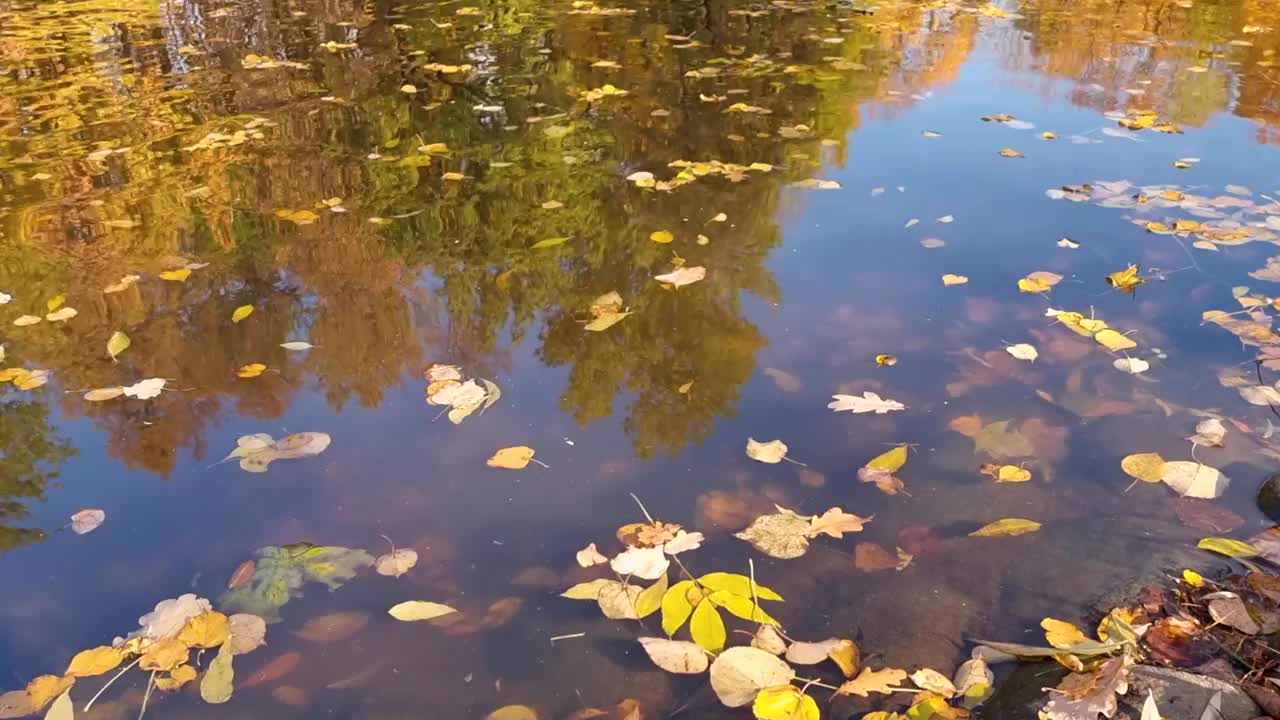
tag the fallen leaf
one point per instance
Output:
(1209, 433)
(1193, 479)
(1147, 467)
(784, 702)
(117, 343)
(1010, 153)
(771, 452)
(1068, 243)
(396, 562)
(1228, 547)
(1133, 366)
(241, 313)
(682, 276)
(1039, 281)
(1125, 280)
(1228, 609)
(241, 574)
(1086, 695)
(258, 451)
(206, 630)
(87, 520)
(1006, 473)
(873, 557)
(661, 236)
(145, 389)
(933, 681)
(252, 370)
(414, 610)
(1113, 340)
(1062, 634)
(1006, 526)
(836, 522)
(873, 681)
(1023, 351)
(886, 360)
(740, 673)
(181, 274)
(512, 712)
(61, 315)
(646, 563)
(333, 627)
(768, 639)
(1206, 516)
(676, 656)
(868, 402)
(248, 633)
(217, 685)
(549, 242)
(785, 381)
(164, 655)
(25, 320)
(512, 458)
(589, 556)
(296, 345)
(782, 535)
(95, 661)
(62, 708)
(952, 279)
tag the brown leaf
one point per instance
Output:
(1205, 515)
(871, 557)
(242, 573)
(873, 681)
(277, 668)
(836, 522)
(333, 627)
(1179, 642)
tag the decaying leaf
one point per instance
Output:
(771, 452)
(1006, 473)
(1133, 366)
(1193, 479)
(1209, 433)
(676, 656)
(396, 563)
(739, 673)
(783, 535)
(933, 681)
(87, 520)
(836, 522)
(1023, 351)
(1007, 526)
(258, 451)
(1087, 695)
(646, 563)
(874, 681)
(682, 276)
(589, 556)
(867, 402)
(1229, 609)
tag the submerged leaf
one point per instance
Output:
(241, 313)
(1006, 526)
(117, 343)
(218, 683)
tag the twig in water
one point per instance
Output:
(567, 637)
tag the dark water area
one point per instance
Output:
(375, 180)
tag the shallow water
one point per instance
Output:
(119, 155)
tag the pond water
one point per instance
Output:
(408, 184)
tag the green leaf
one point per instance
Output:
(707, 628)
(744, 608)
(737, 585)
(587, 590)
(216, 685)
(891, 461)
(118, 343)
(676, 607)
(1227, 546)
(549, 242)
(650, 600)
(62, 708)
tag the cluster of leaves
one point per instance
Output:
(448, 389)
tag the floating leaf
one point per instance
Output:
(95, 661)
(512, 458)
(952, 279)
(258, 451)
(1133, 366)
(933, 681)
(396, 563)
(1010, 153)
(218, 683)
(62, 708)
(145, 389)
(296, 345)
(25, 320)
(648, 563)
(252, 370)
(867, 402)
(1006, 473)
(549, 242)
(241, 313)
(785, 702)
(661, 236)
(117, 343)
(836, 522)
(782, 535)
(740, 673)
(1193, 479)
(869, 681)
(682, 276)
(706, 627)
(179, 275)
(676, 656)
(1062, 634)
(414, 610)
(511, 712)
(1113, 340)
(101, 394)
(1006, 526)
(1147, 467)
(1023, 351)
(65, 313)
(1086, 695)
(1039, 281)
(589, 590)
(87, 520)
(650, 599)
(207, 630)
(771, 452)
(1229, 547)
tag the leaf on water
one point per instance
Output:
(1087, 695)
(836, 522)
(241, 574)
(145, 389)
(248, 633)
(811, 653)
(974, 681)
(589, 556)
(164, 655)
(589, 590)
(1006, 473)
(207, 630)
(646, 563)
(252, 370)
(661, 236)
(1133, 366)
(1023, 351)
(62, 708)
(1228, 609)
(25, 320)
(87, 520)
(1193, 479)
(618, 601)
(1147, 467)
(607, 311)
(178, 275)
(1125, 280)
(512, 712)
(649, 601)
(218, 683)
(951, 279)
(784, 702)
(549, 242)
(771, 452)
(65, 313)
(415, 610)
(783, 535)
(117, 343)
(1006, 526)
(396, 563)
(886, 360)
(706, 627)
(55, 302)
(682, 276)
(867, 402)
(1062, 634)
(1066, 242)
(1229, 547)
(516, 457)
(1039, 281)
(1209, 433)
(241, 313)
(1113, 340)
(1010, 153)
(258, 451)
(95, 661)
(869, 681)
(933, 681)
(768, 639)
(676, 656)
(296, 345)
(740, 673)
(281, 572)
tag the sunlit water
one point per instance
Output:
(110, 166)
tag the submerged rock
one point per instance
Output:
(1269, 498)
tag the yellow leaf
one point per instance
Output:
(1047, 135)
(1193, 578)
(207, 630)
(252, 370)
(1062, 634)
(892, 460)
(408, 89)
(117, 343)
(94, 661)
(179, 275)
(1039, 281)
(785, 702)
(1006, 526)
(1126, 279)
(1181, 164)
(887, 360)
(453, 177)
(1157, 227)
(650, 600)
(164, 655)
(743, 607)
(512, 458)
(55, 302)
(707, 628)
(846, 655)
(661, 236)
(1228, 547)
(1113, 341)
(1006, 473)
(737, 585)
(414, 610)
(771, 452)
(180, 676)
(1147, 467)
(297, 217)
(45, 688)
(1010, 153)
(676, 607)
(951, 279)
(241, 313)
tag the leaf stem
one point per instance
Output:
(124, 670)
